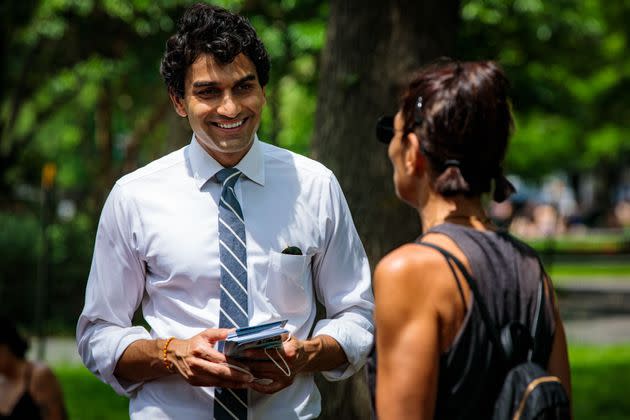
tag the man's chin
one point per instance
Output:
(231, 148)
(225, 145)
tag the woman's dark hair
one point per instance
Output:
(11, 338)
(205, 29)
(461, 114)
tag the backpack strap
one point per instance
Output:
(493, 331)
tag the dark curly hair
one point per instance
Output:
(464, 122)
(10, 337)
(205, 29)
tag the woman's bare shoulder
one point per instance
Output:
(43, 379)
(408, 269)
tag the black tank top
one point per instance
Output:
(508, 277)
(25, 408)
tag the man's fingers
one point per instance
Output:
(268, 388)
(215, 334)
(208, 353)
(264, 370)
(231, 372)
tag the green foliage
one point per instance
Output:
(18, 240)
(69, 256)
(540, 141)
(570, 74)
(19, 244)
(296, 114)
(49, 113)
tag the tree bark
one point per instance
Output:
(372, 46)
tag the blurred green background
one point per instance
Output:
(82, 103)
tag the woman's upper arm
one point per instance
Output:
(407, 326)
(559, 359)
(558, 364)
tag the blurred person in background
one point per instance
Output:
(28, 390)
(447, 144)
(622, 213)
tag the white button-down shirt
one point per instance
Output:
(157, 245)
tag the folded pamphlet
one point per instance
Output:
(264, 336)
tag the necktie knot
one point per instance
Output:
(228, 175)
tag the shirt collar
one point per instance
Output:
(205, 166)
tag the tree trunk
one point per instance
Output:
(371, 49)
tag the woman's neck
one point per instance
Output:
(460, 210)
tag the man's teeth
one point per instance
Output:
(232, 125)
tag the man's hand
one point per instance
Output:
(201, 365)
(294, 352)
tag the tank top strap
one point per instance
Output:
(455, 276)
(467, 243)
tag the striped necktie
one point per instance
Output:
(231, 403)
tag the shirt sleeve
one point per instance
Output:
(343, 284)
(114, 291)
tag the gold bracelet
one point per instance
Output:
(167, 364)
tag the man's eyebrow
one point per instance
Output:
(203, 83)
(247, 78)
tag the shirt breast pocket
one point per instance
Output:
(288, 287)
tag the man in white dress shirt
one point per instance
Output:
(158, 246)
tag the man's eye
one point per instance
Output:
(208, 92)
(245, 87)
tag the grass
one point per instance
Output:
(601, 379)
(595, 255)
(564, 273)
(88, 398)
(600, 375)
(592, 242)
(592, 271)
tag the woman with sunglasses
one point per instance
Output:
(447, 144)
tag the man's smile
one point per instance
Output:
(230, 125)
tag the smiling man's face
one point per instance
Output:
(223, 104)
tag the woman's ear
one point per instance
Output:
(414, 159)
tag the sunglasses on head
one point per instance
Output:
(385, 124)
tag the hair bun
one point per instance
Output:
(451, 182)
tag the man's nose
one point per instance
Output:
(230, 107)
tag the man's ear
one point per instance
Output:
(178, 104)
(414, 159)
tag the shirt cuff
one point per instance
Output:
(107, 358)
(355, 336)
